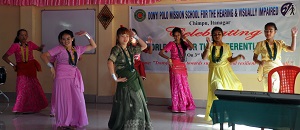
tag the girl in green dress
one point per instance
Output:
(129, 110)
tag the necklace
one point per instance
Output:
(181, 56)
(72, 60)
(213, 53)
(24, 58)
(272, 57)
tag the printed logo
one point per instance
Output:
(288, 9)
(140, 15)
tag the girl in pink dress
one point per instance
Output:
(182, 99)
(30, 95)
(70, 110)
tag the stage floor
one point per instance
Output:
(98, 115)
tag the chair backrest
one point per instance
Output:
(287, 75)
(2, 75)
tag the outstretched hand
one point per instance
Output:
(208, 42)
(294, 31)
(241, 56)
(42, 46)
(81, 33)
(149, 40)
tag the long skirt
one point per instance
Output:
(129, 110)
(220, 77)
(52, 111)
(70, 109)
(30, 95)
(182, 99)
(263, 72)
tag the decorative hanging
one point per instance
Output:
(105, 16)
(73, 2)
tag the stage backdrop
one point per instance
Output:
(242, 23)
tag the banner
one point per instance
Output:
(242, 22)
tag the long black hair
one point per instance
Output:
(176, 29)
(68, 32)
(216, 29)
(17, 40)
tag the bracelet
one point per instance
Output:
(136, 37)
(87, 36)
(11, 64)
(114, 77)
(50, 65)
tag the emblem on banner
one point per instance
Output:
(140, 15)
(288, 9)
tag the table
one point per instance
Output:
(256, 114)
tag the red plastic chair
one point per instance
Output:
(287, 75)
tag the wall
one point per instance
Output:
(9, 24)
(98, 83)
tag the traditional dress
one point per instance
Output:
(182, 99)
(270, 61)
(221, 75)
(30, 95)
(129, 110)
(139, 65)
(70, 109)
(52, 111)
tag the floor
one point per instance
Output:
(98, 115)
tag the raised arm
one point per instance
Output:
(205, 52)
(294, 31)
(92, 44)
(141, 41)
(190, 44)
(150, 50)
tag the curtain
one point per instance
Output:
(72, 2)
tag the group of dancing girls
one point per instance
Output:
(221, 75)
(129, 110)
